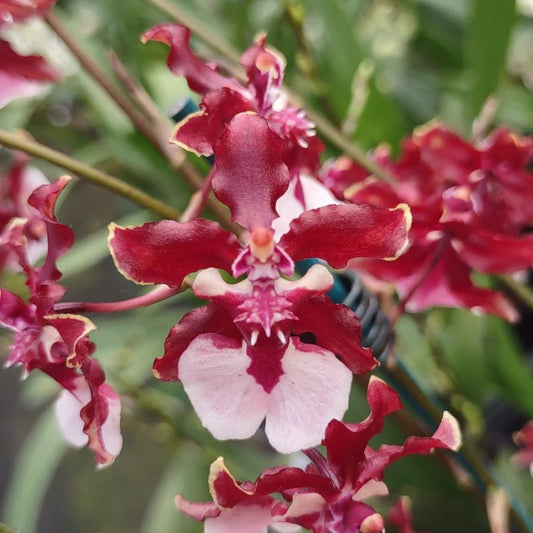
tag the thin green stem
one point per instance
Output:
(141, 122)
(18, 141)
(521, 291)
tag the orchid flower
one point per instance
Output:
(22, 75)
(328, 496)
(524, 438)
(471, 210)
(21, 180)
(58, 343)
(225, 97)
(241, 359)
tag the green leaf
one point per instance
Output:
(332, 33)
(33, 473)
(487, 39)
(5, 529)
(185, 475)
(509, 368)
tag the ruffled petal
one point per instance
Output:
(166, 251)
(346, 443)
(182, 62)
(60, 236)
(250, 174)
(336, 328)
(200, 131)
(447, 436)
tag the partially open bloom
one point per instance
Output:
(243, 358)
(17, 10)
(328, 496)
(400, 515)
(471, 210)
(225, 97)
(22, 75)
(58, 343)
(15, 189)
(524, 438)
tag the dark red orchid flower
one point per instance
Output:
(241, 358)
(55, 343)
(225, 97)
(400, 515)
(471, 209)
(524, 438)
(17, 10)
(328, 496)
(22, 76)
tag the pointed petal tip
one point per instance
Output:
(408, 218)
(449, 432)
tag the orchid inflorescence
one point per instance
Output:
(270, 345)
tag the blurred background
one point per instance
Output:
(375, 68)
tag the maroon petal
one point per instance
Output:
(60, 236)
(182, 62)
(22, 75)
(166, 251)
(14, 10)
(447, 436)
(283, 478)
(448, 283)
(74, 331)
(346, 443)
(495, 253)
(250, 174)
(101, 415)
(200, 131)
(338, 233)
(212, 318)
(15, 313)
(337, 329)
(447, 153)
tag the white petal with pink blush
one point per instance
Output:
(313, 389)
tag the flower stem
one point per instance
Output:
(157, 132)
(158, 294)
(142, 124)
(21, 142)
(521, 291)
(400, 307)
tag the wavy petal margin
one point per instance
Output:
(338, 233)
(250, 175)
(165, 252)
